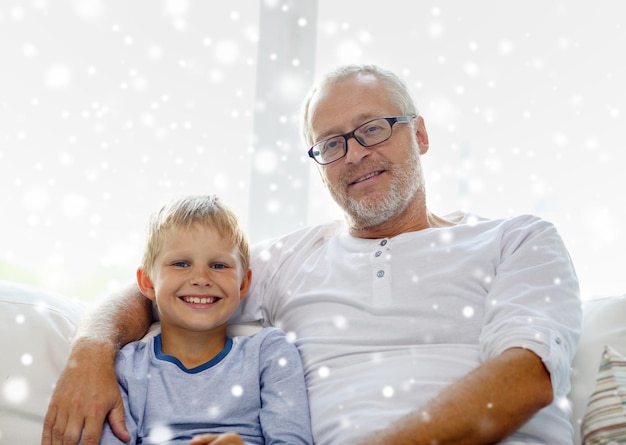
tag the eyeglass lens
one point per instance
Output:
(368, 134)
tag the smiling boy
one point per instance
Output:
(192, 378)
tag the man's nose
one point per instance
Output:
(355, 151)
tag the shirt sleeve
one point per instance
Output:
(534, 302)
(284, 415)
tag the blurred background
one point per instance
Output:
(110, 108)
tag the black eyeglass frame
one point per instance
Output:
(404, 119)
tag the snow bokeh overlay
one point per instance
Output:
(107, 109)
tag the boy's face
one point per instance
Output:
(196, 280)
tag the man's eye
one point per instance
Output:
(331, 146)
(372, 129)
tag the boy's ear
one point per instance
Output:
(145, 284)
(246, 281)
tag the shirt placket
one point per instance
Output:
(381, 273)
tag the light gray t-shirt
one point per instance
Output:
(254, 387)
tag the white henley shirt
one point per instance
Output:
(383, 325)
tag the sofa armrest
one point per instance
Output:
(35, 334)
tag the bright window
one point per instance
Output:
(107, 109)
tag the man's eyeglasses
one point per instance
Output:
(368, 134)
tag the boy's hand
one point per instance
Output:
(217, 439)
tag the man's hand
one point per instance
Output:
(87, 392)
(85, 395)
(217, 439)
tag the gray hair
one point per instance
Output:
(397, 88)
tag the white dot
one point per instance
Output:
(213, 411)
(58, 76)
(564, 403)
(29, 50)
(471, 69)
(435, 30)
(27, 360)
(468, 311)
(226, 52)
(15, 389)
(160, 433)
(388, 392)
(237, 390)
(291, 336)
(340, 322)
(445, 236)
(265, 161)
(505, 47)
(176, 8)
(323, 372)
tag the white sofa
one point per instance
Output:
(36, 327)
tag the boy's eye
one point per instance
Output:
(180, 264)
(219, 266)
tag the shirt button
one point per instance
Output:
(383, 242)
(377, 254)
(558, 340)
(380, 273)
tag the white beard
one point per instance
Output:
(375, 209)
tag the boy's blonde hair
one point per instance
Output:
(207, 210)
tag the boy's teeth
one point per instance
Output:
(200, 300)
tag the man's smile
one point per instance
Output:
(366, 177)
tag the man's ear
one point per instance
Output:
(246, 281)
(145, 284)
(421, 134)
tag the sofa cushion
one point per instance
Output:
(604, 324)
(605, 416)
(35, 331)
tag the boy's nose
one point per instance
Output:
(202, 278)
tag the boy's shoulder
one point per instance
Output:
(260, 334)
(135, 354)
(265, 339)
